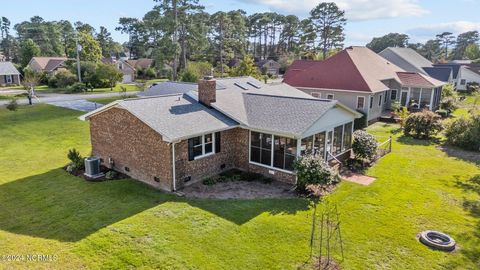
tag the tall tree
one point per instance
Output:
(329, 22)
(6, 42)
(446, 39)
(463, 40)
(472, 52)
(28, 49)
(90, 48)
(431, 50)
(378, 44)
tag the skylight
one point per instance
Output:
(242, 85)
(256, 85)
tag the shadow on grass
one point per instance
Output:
(472, 206)
(56, 205)
(412, 141)
(469, 156)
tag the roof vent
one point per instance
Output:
(241, 85)
(254, 85)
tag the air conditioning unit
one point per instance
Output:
(92, 167)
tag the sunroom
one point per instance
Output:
(280, 152)
(419, 92)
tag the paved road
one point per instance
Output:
(52, 98)
(79, 105)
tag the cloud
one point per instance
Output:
(356, 10)
(429, 31)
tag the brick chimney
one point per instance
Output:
(207, 88)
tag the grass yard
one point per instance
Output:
(125, 224)
(129, 87)
(108, 99)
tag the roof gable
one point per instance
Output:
(412, 57)
(7, 68)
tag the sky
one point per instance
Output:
(420, 19)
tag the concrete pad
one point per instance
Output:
(357, 178)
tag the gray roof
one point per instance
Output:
(439, 73)
(168, 88)
(406, 58)
(7, 68)
(176, 117)
(286, 115)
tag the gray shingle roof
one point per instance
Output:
(177, 116)
(285, 115)
(439, 73)
(7, 68)
(410, 56)
(169, 88)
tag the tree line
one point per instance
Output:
(442, 48)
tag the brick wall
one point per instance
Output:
(118, 134)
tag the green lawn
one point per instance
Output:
(108, 99)
(129, 87)
(152, 81)
(125, 224)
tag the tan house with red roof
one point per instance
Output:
(50, 65)
(364, 81)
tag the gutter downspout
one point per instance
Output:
(173, 167)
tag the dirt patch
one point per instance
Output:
(357, 178)
(240, 190)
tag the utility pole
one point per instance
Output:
(175, 14)
(78, 48)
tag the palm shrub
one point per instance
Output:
(449, 104)
(403, 114)
(313, 170)
(76, 159)
(422, 125)
(464, 132)
(364, 145)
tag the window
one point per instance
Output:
(261, 148)
(360, 102)
(284, 150)
(337, 140)
(347, 137)
(393, 95)
(330, 96)
(8, 78)
(317, 95)
(463, 82)
(306, 146)
(319, 144)
(371, 102)
(380, 101)
(202, 146)
(385, 99)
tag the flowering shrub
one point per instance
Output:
(422, 125)
(313, 170)
(464, 132)
(364, 145)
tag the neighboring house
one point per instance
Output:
(9, 75)
(142, 63)
(49, 65)
(234, 63)
(463, 74)
(169, 88)
(268, 66)
(411, 61)
(127, 70)
(169, 141)
(364, 81)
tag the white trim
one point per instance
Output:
(271, 167)
(319, 94)
(363, 104)
(342, 90)
(380, 100)
(396, 94)
(173, 167)
(204, 155)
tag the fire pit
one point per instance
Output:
(437, 240)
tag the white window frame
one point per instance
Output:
(380, 100)
(9, 79)
(372, 100)
(396, 94)
(330, 94)
(319, 95)
(363, 105)
(203, 147)
(271, 151)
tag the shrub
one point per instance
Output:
(449, 104)
(448, 90)
(361, 122)
(403, 113)
(210, 181)
(111, 175)
(12, 105)
(65, 78)
(473, 87)
(250, 176)
(364, 145)
(52, 82)
(442, 113)
(422, 125)
(77, 88)
(150, 73)
(313, 170)
(464, 132)
(76, 159)
(395, 106)
(71, 169)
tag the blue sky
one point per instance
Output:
(366, 18)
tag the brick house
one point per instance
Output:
(169, 141)
(9, 75)
(49, 65)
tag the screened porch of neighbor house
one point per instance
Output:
(280, 152)
(420, 98)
